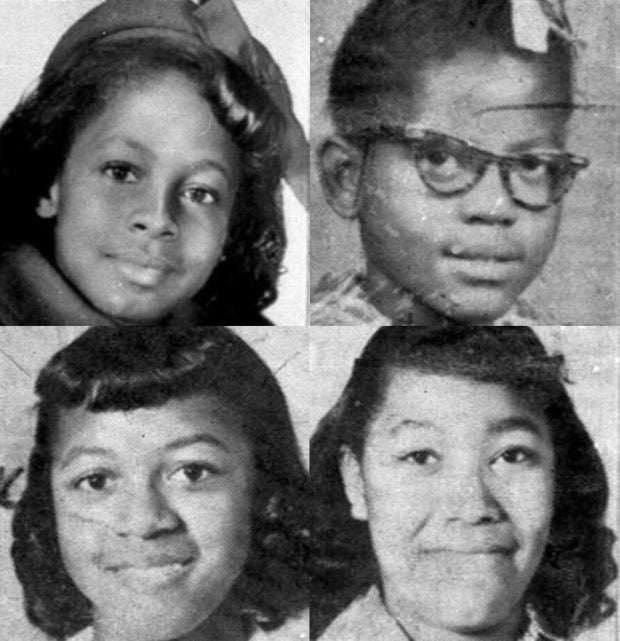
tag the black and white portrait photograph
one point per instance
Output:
(153, 485)
(153, 162)
(465, 484)
(464, 162)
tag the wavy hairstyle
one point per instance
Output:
(37, 137)
(109, 369)
(383, 54)
(568, 589)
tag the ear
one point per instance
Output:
(351, 474)
(341, 168)
(48, 206)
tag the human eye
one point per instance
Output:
(120, 172)
(201, 195)
(422, 457)
(533, 168)
(438, 162)
(94, 482)
(193, 474)
(517, 456)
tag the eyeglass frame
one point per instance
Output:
(402, 135)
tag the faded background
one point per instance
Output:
(29, 29)
(580, 284)
(24, 350)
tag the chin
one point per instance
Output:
(132, 313)
(467, 612)
(481, 309)
(151, 624)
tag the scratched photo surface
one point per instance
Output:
(24, 351)
(592, 367)
(31, 29)
(578, 284)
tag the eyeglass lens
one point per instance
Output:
(449, 167)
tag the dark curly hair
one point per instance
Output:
(37, 137)
(108, 369)
(389, 45)
(568, 590)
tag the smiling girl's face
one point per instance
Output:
(152, 512)
(456, 483)
(144, 200)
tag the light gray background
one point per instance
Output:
(580, 284)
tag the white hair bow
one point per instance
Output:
(533, 19)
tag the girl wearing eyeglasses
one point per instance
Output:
(451, 123)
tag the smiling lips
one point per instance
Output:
(142, 269)
(151, 573)
(485, 263)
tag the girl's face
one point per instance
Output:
(456, 483)
(144, 200)
(467, 256)
(153, 513)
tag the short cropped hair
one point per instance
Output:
(37, 137)
(108, 369)
(568, 589)
(389, 44)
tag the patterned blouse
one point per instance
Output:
(342, 300)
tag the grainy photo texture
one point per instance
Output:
(164, 497)
(143, 163)
(458, 492)
(464, 168)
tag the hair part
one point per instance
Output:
(568, 590)
(124, 369)
(36, 140)
(383, 55)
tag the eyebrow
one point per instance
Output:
(187, 441)
(518, 424)
(205, 163)
(515, 423)
(83, 450)
(407, 423)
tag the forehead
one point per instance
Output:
(461, 97)
(203, 418)
(451, 405)
(145, 113)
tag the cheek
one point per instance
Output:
(398, 506)
(529, 503)
(203, 242)
(220, 522)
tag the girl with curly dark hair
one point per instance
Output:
(142, 175)
(165, 495)
(459, 496)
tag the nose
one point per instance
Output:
(146, 512)
(153, 216)
(469, 498)
(488, 202)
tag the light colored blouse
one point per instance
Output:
(366, 619)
